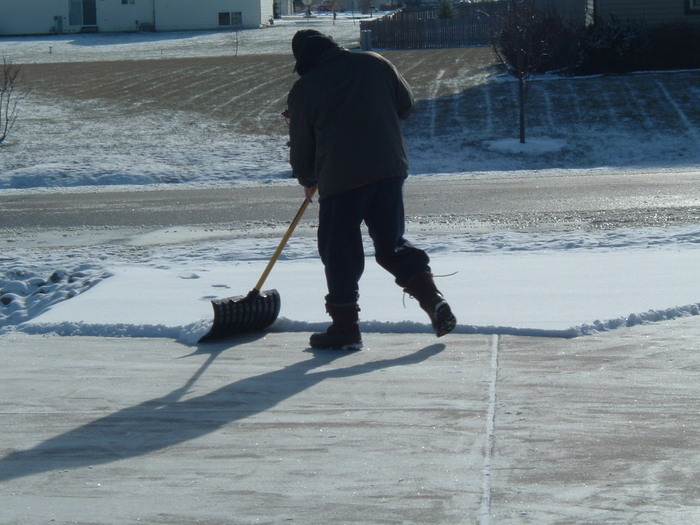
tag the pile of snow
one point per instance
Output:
(24, 294)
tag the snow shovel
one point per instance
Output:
(257, 310)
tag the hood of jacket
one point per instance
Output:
(311, 49)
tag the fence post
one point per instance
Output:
(366, 40)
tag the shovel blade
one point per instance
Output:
(243, 314)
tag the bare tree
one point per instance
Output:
(10, 97)
(527, 35)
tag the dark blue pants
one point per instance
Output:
(380, 206)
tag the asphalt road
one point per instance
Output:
(555, 200)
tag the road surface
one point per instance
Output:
(586, 200)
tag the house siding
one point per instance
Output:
(185, 14)
(16, 20)
(113, 16)
(651, 11)
(53, 16)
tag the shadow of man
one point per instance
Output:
(162, 422)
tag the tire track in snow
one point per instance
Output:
(414, 65)
(549, 106)
(612, 112)
(224, 84)
(641, 109)
(489, 116)
(455, 86)
(692, 130)
(121, 80)
(273, 108)
(575, 102)
(276, 103)
(180, 90)
(164, 94)
(274, 80)
(268, 120)
(434, 89)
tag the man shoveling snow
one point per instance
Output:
(346, 142)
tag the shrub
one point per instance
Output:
(671, 46)
(623, 46)
(446, 9)
(549, 41)
(609, 47)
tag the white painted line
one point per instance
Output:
(485, 513)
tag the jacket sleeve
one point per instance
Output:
(302, 143)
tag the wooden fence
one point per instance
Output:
(424, 30)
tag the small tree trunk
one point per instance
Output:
(9, 98)
(522, 94)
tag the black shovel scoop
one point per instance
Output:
(257, 310)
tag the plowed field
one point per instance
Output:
(601, 120)
(245, 91)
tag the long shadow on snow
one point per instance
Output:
(162, 422)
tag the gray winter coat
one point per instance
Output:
(344, 121)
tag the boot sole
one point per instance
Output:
(445, 321)
(350, 347)
(326, 341)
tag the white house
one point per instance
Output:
(33, 17)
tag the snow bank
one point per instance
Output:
(569, 289)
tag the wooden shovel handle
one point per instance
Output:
(283, 243)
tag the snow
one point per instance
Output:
(129, 46)
(534, 146)
(567, 290)
(546, 284)
(561, 284)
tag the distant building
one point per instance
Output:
(650, 11)
(74, 16)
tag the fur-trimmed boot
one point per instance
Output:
(344, 332)
(422, 287)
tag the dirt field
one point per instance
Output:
(245, 90)
(461, 107)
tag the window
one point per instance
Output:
(231, 19)
(694, 5)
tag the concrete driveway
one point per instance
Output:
(415, 430)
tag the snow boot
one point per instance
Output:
(422, 287)
(344, 332)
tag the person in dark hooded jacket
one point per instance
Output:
(346, 142)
